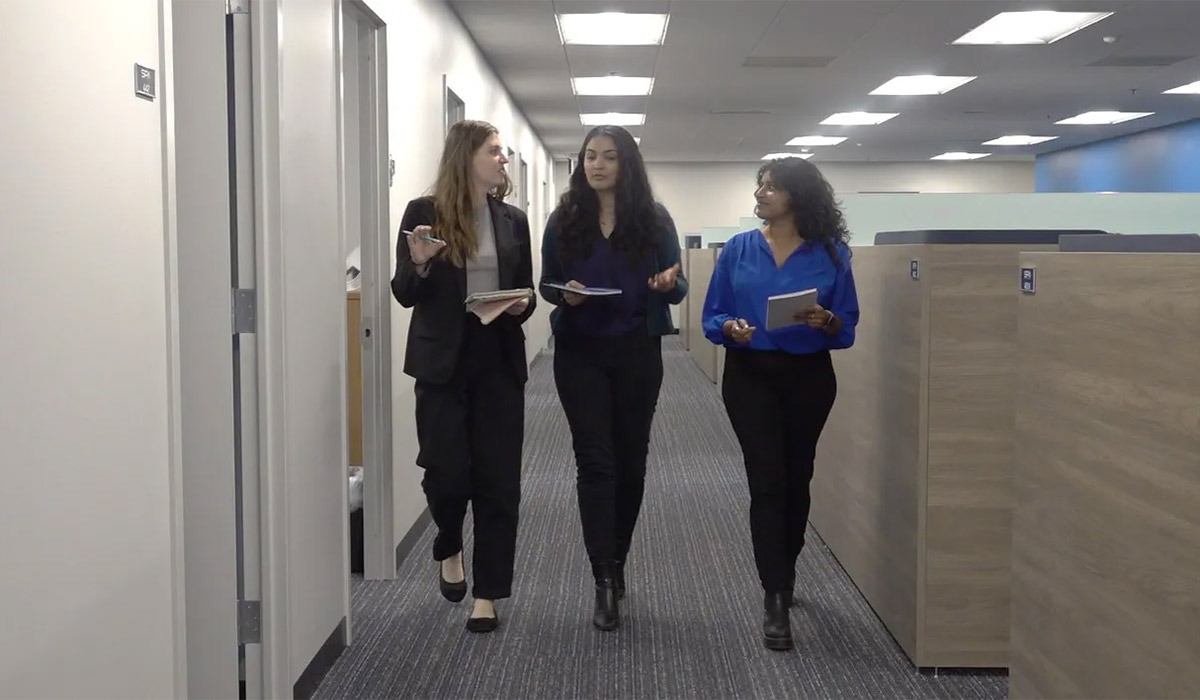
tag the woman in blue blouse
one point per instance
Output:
(779, 385)
(608, 232)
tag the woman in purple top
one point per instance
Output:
(608, 232)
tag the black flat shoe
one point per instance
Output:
(453, 592)
(483, 625)
(777, 628)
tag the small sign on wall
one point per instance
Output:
(143, 81)
(1028, 279)
(914, 269)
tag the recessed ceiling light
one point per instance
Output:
(1018, 140)
(1036, 27)
(778, 156)
(959, 155)
(612, 29)
(1189, 89)
(612, 85)
(922, 84)
(858, 118)
(612, 119)
(816, 141)
(1088, 118)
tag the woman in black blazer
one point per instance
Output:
(470, 376)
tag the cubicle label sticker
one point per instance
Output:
(914, 269)
(143, 81)
(1028, 279)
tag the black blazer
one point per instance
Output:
(437, 300)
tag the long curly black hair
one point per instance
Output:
(814, 206)
(637, 222)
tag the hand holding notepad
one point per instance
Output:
(489, 305)
(784, 310)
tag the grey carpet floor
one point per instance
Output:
(691, 621)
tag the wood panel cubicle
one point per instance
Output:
(1106, 532)
(912, 490)
(700, 268)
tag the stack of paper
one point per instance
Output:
(782, 308)
(489, 305)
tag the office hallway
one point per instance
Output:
(691, 621)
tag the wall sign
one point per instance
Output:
(143, 81)
(1028, 279)
(914, 269)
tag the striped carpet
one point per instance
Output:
(691, 621)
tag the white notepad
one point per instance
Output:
(586, 291)
(501, 295)
(782, 308)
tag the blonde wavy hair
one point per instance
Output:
(452, 191)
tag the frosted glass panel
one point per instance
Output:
(717, 234)
(748, 222)
(868, 214)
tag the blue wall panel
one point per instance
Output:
(1159, 160)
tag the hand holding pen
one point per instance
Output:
(739, 331)
(422, 245)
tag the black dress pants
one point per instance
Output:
(470, 432)
(609, 388)
(778, 404)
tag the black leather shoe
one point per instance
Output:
(619, 579)
(777, 628)
(607, 616)
(483, 625)
(453, 592)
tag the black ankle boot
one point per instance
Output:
(606, 617)
(619, 579)
(777, 628)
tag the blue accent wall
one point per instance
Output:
(1159, 160)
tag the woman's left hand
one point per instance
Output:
(518, 308)
(665, 280)
(815, 316)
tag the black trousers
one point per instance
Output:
(778, 404)
(470, 433)
(609, 391)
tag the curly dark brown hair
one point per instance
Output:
(814, 206)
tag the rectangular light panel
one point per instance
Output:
(612, 86)
(1030, 28)
(858, 118)
(1018, 140)
(1189, 89)
(612, 119)
(816, 141)
(959, 155)
(922, 84)
(1091, 118)
(778, 156)
(612, 29)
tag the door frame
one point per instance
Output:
(375, 327)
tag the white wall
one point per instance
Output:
(425, 42)
(87, 513)
(718, 194)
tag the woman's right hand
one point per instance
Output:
(420, 249)
(739, 331)
(572, 298)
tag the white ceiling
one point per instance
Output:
(708, 106)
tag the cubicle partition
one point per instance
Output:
(1106, 529)
(690, 242)
(700, 268)
(912, 490)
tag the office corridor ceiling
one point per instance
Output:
(737, 79)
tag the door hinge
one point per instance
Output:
(245, 313)
(237, 7)
(249, 622)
